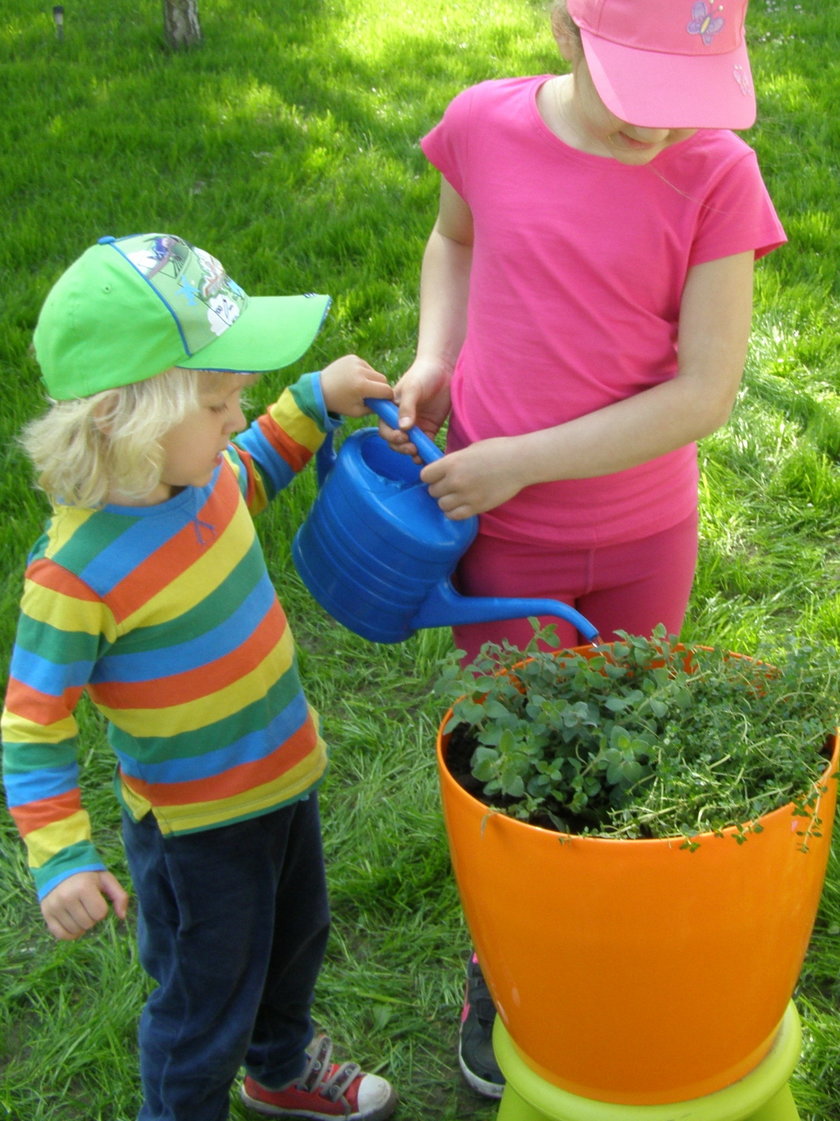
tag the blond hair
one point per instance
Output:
(563, 24)
(86, 448)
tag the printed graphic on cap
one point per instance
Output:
(743, 79)
(704, 23)
(193, 284)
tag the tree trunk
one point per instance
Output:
(180, 22)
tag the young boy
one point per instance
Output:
(149, 592)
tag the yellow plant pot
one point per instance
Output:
(637, 971)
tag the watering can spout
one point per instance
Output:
(444, 607)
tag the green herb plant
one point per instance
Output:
(644, 737)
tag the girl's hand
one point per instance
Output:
(81, 901)
(346, 382)
(474, 479)
(422, 394)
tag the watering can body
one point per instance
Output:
(377, 552)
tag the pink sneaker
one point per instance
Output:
(324, 1091)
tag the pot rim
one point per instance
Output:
(820, 784)
(831, 771)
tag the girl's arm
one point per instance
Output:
(422, 393)
(713, 334)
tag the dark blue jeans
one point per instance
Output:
(232, 925)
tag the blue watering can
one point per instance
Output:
(377, 552)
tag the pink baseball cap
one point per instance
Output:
(669, 63)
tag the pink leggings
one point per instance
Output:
(631, 586)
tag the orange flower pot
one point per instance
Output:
(637, 971)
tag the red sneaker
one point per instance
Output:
(324, 1091)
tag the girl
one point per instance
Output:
(586, 298)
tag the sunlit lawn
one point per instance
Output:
(287, 145)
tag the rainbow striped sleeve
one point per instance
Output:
(50, 667)
(283, 440)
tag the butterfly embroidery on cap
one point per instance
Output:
(703, 22)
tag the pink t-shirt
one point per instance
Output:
(578, 266)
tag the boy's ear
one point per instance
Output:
(103, 413)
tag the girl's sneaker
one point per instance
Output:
(475, 1038)
(324, 1091)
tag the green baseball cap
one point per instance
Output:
(131, 307)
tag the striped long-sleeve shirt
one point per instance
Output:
(165, 615)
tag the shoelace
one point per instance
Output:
(321, 1077)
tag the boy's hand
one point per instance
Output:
(346, 382)
(80, 902)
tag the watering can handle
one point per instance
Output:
(427, 449)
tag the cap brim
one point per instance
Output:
(272, 332)
(656, 90)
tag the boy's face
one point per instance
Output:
(193, 449)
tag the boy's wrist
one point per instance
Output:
(331, 420)
(309, 397)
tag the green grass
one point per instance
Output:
(287, 145)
